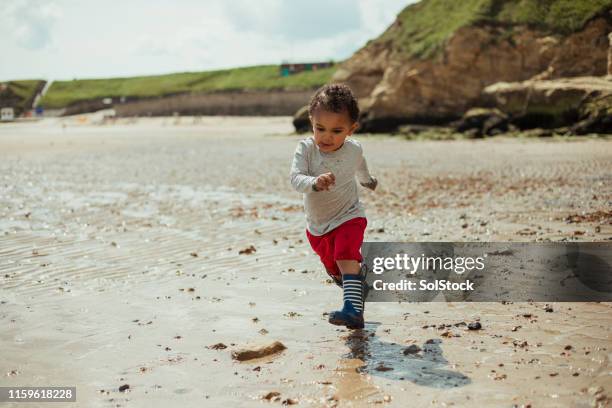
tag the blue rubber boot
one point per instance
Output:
(351, 314)
(348, 317)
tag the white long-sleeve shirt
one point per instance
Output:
(325, 210)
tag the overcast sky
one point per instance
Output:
(65, 39)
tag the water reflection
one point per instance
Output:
(387, 360)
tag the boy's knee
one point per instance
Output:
(349, 265)
(346, 261)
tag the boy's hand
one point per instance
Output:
(371, 184)
(325, 181)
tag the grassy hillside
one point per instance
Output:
(64, 93)
(19, 94)
(422, 28)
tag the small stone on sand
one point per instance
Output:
(258, 352)
(271, 396)
(412, 349)
(474, 326)
(247, 251)
(218, 346)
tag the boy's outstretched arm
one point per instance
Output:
(364, 176)
(300, 180)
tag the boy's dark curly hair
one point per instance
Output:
(335, 98)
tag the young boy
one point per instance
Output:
(324, 168)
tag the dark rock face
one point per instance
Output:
(480, 122)
(595, 116)
(386, 124)
(582, 103)
(301, 120)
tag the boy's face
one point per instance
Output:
(331, 129)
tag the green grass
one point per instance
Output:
(265, 77)
(422, 29)
(24, 89)
(555, 16)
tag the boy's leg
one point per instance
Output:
(351, 314)
(349, 266)
(347, 246)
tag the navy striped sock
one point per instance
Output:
(353, 291)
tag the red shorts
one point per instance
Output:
(341, 243)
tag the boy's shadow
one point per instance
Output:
(387, 360)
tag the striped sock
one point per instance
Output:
(353, 291)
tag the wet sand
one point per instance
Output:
(120, 264)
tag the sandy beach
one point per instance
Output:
(143, 252)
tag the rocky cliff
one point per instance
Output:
(433, 63)
(576, 105)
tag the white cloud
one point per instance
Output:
(291, 20)
(142, 37)
(29, 22)
(377, 15)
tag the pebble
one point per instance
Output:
(382, 367)
(412, 349)
(218, 346)
(272, 396)
(258, 352)
(247, 251)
